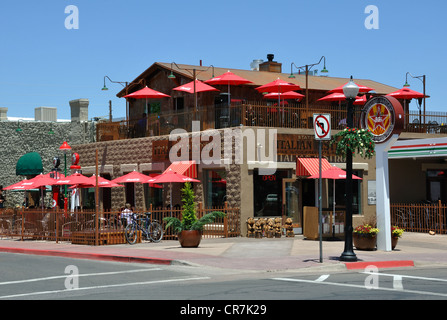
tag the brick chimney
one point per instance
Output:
(270, 65)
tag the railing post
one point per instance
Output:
(226, 219)
(23, 224)
(200, 209)
(441, 226)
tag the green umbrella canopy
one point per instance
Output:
(29, 164)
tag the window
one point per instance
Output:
(152, 195)
(215, 184)
(268, 193)
(436, 185)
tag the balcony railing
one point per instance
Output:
(255, 114)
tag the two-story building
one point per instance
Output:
(252, 160)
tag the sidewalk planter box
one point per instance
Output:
(364, 241)
(104, 237)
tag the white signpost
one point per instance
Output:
(322, 129)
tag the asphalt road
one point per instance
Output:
(28, 277)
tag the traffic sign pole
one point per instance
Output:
(322, 128)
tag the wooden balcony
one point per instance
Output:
(257, 114)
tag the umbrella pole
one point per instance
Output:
(333, 215)
(170, 197)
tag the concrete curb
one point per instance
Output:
(89, 256)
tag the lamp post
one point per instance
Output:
(64, 147)
(422, 78)
(124, 84)
(307, 68)
(350, 91)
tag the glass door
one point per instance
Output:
(291, 202)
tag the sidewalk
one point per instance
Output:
(242, 253)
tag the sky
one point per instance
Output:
(44, 61)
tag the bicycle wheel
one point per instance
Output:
(155, 231)
(131, 233)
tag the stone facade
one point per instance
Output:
(119, 157)
(35, 136)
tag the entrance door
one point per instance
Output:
(291, 202)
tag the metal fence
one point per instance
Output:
(85, 227)
(421, 217)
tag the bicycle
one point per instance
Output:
(151, 230)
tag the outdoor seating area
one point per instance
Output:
(106, 228)
(257, 114)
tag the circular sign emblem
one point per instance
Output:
(383, 116)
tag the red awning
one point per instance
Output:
(309, 166)
(186, 168)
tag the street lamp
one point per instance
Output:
(18, 126)
(124, 84)
(65, 147)
(350, 91)
(422, 78)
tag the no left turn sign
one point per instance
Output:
(322, 126)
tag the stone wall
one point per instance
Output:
(35, 137)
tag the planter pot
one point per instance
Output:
(393, 242)
(189, 238)
(364, 241)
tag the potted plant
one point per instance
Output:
(189, 228)
(396, 233)
(355, 140)
(364, 237)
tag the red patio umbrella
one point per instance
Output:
(171, 176)
(21, 185)
(284, 96)
(339, 96)
(200, 87)
(132, 177)
(362, 89)
(407, 94)
(228, 78)
(33, 183)
(146, 93)
(75, 178)
(333, 173)
(102, 183)
(279, 86)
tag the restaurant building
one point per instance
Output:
(247, 151)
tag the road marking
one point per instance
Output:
(405, 276)
(80, 275)
(103, 287)
(397, 283)
(362, 287)
(322, 278)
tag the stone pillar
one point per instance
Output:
(79, 110)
